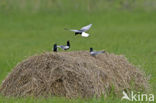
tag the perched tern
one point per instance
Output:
(64, 47)
(94, 53)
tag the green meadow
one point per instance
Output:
(29, 29)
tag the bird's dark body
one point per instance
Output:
(55, 48)
(68, 43)
(91, 49)
(76, 33)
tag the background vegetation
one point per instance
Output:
(125, 27)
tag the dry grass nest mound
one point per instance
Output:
(73, 74)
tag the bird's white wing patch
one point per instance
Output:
(84, 34)
(85, 28)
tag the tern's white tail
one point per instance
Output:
(84, 34)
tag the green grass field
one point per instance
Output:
(131, 33)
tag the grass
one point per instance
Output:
(55, 100)
(131, 33)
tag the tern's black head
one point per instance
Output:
(68, 43)
(55, 48)
(91, 49)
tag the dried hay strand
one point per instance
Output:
(73, 74)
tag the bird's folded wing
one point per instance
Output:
(85, 28)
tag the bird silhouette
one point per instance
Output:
(82, 31)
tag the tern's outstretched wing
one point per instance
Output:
(72, 30)
(76, 30)
(85, 28)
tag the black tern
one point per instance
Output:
(64, 47)
(94, 53)
(82, 31)
(55, 48)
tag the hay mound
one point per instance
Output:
(73, 74)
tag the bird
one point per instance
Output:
(64, 47)
(55, 48)
(82, 31)
(94, 53)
